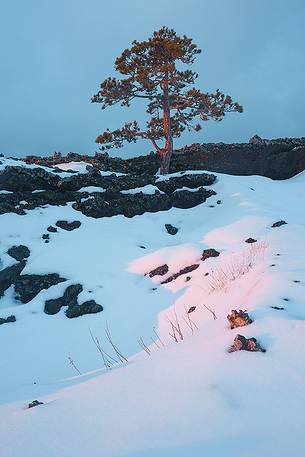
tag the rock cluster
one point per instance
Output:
(70, 299)
(7, 320)
(277, 159)
(109, 201)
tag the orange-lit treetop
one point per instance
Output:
(150, 72)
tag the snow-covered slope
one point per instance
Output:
(186, 398)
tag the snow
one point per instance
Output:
(190, 398)
(149, 189)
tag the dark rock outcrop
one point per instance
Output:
(69, 226)
(239, 318)
(207, 253)
(7, 320)
(250, 240)
(19, 253)
(35, 403)
(28, 286)
(9, 275)
(130, 205)
(171, 229)
(88, 307)
(180, 273)
(191, 181)
(241, 343)
(52, 229)
(159, 271)
(17, 179)
(277, 159)
(69, 298)
(279, 223)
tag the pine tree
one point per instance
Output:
(150, 72)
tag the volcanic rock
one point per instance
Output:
(239, 318)
(28, 286)
(241, 343)
(19, 253)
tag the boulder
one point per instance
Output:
(250, 240)
(28, 286)
(279, 223)
(171, 229)
(239, 318)
(52, 229)
(241, 343)
(9, 275)
(88, 307)
(69, 226)
(19, 253)
(35, 403)
(7, 320)
(207, 253)
(159, 271)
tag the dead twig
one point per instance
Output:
(71, 362)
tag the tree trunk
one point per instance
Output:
(165, 162)
(168, 149)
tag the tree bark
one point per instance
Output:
(168, 149)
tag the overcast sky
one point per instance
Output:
(55, 53)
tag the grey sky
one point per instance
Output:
(54, 54)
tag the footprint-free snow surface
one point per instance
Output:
(151, 375)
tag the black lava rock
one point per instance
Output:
(279, 223)
(7, 320)
(159, 271)
(69, 226)
(181, 272)
(171, 229)
(19, 253)
(88, 307)
(241, 343)
(250, 240)
(52, 229)
(28, 286)
(207, 253)
(35, 403)
(9, 275)
(19, 179)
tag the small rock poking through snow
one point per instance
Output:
(239, 318)
(241, 343)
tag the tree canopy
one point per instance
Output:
(153, 70)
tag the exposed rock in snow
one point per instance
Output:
(69, 226)
(69, 298)
(207, 253)
(239, 318)
(183, 271)
(35, 403)
(159, 271)
(28, 286)
(7, 320)
(241, 343)
(171, 229)
(9, 275)
(279, 223)
(88, 307)
(250, 240)
(19, 253)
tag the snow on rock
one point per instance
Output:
(181, 393)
